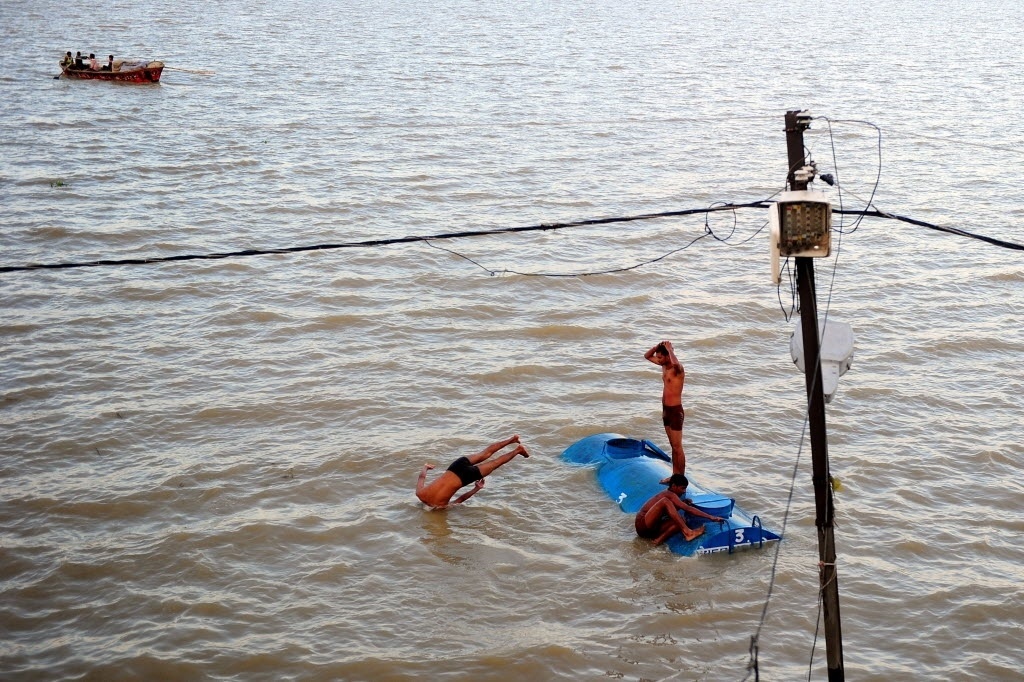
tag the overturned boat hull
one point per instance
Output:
(630, 470)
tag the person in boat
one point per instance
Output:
(463, 471)
(94, 63)
(672, 377)
(659, 518)
(67, 60)
(109, 66)
(79, 62)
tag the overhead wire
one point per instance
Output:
(708, 232)
(878, 175)
(608, 271)
(842, 211)
(381, 242)
(479, 233)
(878, 213)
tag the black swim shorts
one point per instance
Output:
(672, 416)
(651, 532)
(466, 472)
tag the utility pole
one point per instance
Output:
(824, 510)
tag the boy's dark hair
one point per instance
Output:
(679, 480)
(660, 349)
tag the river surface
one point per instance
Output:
(207, 466)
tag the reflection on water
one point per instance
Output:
(438, 538)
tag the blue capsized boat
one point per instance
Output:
(630, 471)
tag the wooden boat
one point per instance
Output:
(124, 72)
(629, 471)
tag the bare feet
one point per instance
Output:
(693, 534)
(521, 451)
(688, 534)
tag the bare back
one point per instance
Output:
(649, 518)
(439, 492)
(642, 512)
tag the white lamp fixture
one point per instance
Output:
(836, 339)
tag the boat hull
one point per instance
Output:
(146, 74)
(630, 470)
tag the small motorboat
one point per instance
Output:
(630, 471)
(122, 71)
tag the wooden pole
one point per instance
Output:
(824, 510)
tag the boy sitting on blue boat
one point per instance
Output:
(659, 518)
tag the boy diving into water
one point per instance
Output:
(463, 471)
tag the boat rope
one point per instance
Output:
(201, 72)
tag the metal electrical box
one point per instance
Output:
(800, 224)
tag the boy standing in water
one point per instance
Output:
(463, 471)
(672, 376)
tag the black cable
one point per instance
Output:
(790, 278)
(817, 629)
(456, 253)
(755, 638)
(479, 233)
(708, 230)
(611, 270)
(878, 176)
(380, 242)
(951, 230)
(835, 168)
